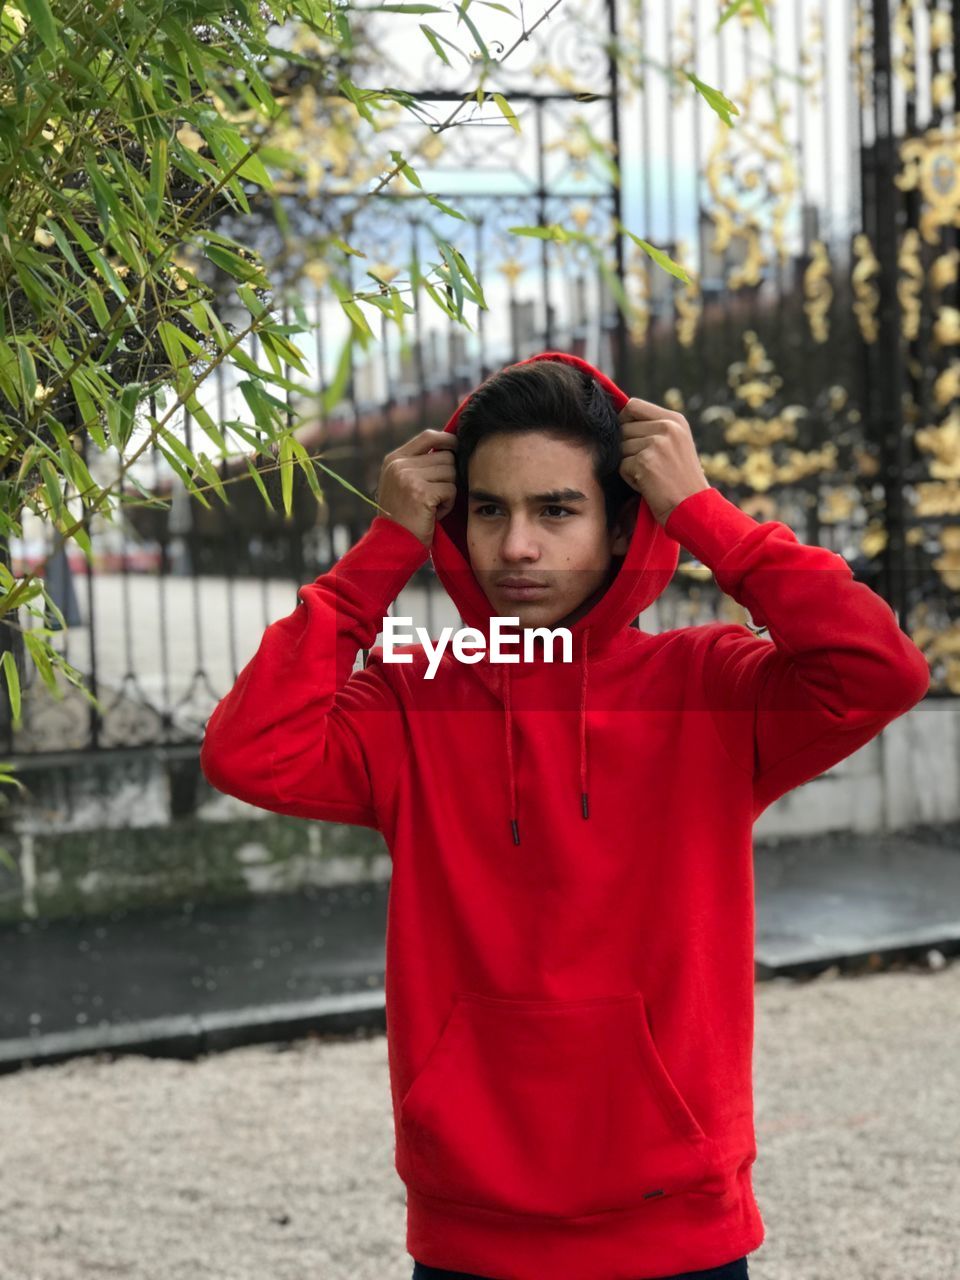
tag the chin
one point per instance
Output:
(531, 616)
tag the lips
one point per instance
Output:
(517, 584)
(522, 591)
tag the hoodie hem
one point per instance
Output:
(685, 1232)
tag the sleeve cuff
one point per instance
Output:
(708, 525)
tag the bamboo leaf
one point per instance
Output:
(463, 16)
(405, 169)
(507, 111)
(346, 483)
(13, 686)
(758, 7)
(660, 258)
(444, 208)
(435, 39)
(28, 371)
(720, 103)
(551, 232)
(286, 474)
(41, 16)
(255, 474)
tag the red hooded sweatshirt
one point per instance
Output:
(570, 930)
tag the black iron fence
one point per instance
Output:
(814, 350)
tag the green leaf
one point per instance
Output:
(76, 469)
(10, 373)
(758, 7)
(88, 409)
(105, 197)
(211, 475)
(462, 15)
(111, 277)
(405, 169)
(252, 167)
(468, 276)
(121, 415)
(342, 245)
(435, 39)
(507, 110)
(352, 94)
(346, 483)
(40, 651)
(453, 271)
(28, 371)
(720, 103)
(359, 321)
(97, 305)
(170, 338)
(444, 208)
(13, 686)
(660, 258)
(63, 244)
(551, 232)
(193, 405)
(51, 482)
(156, 193)
(259, 403)
(79, 536)
(255, 473)
(234, 265)
(41, 16)
(248, 365)
(286, 474)
(305, 462)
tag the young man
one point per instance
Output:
(570, 937)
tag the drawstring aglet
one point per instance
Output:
(583, 800)
(516, 830)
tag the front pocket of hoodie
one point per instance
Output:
(557, 1108)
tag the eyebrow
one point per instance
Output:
(555, 495)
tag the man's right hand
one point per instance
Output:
(417, 485)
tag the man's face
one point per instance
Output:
(536, 512)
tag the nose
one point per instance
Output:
(519, 543)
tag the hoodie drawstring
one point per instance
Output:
(508, 730)
(508, 726)
(583, 724)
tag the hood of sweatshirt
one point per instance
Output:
(641, 575)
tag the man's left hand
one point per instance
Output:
(660, 459)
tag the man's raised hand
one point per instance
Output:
(660, 458)
(417, 485)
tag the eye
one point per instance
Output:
(551, 507)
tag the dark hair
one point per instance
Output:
(554, 397)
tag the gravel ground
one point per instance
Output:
(276, 1162)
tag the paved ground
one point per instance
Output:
(276, 1162)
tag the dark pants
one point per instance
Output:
(729, 1271)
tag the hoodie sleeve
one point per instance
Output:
(301, 732)
(839, 667)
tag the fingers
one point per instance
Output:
(635, 429)
(426, 440)
(637, 410)
(444, 496)
(630, 447)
